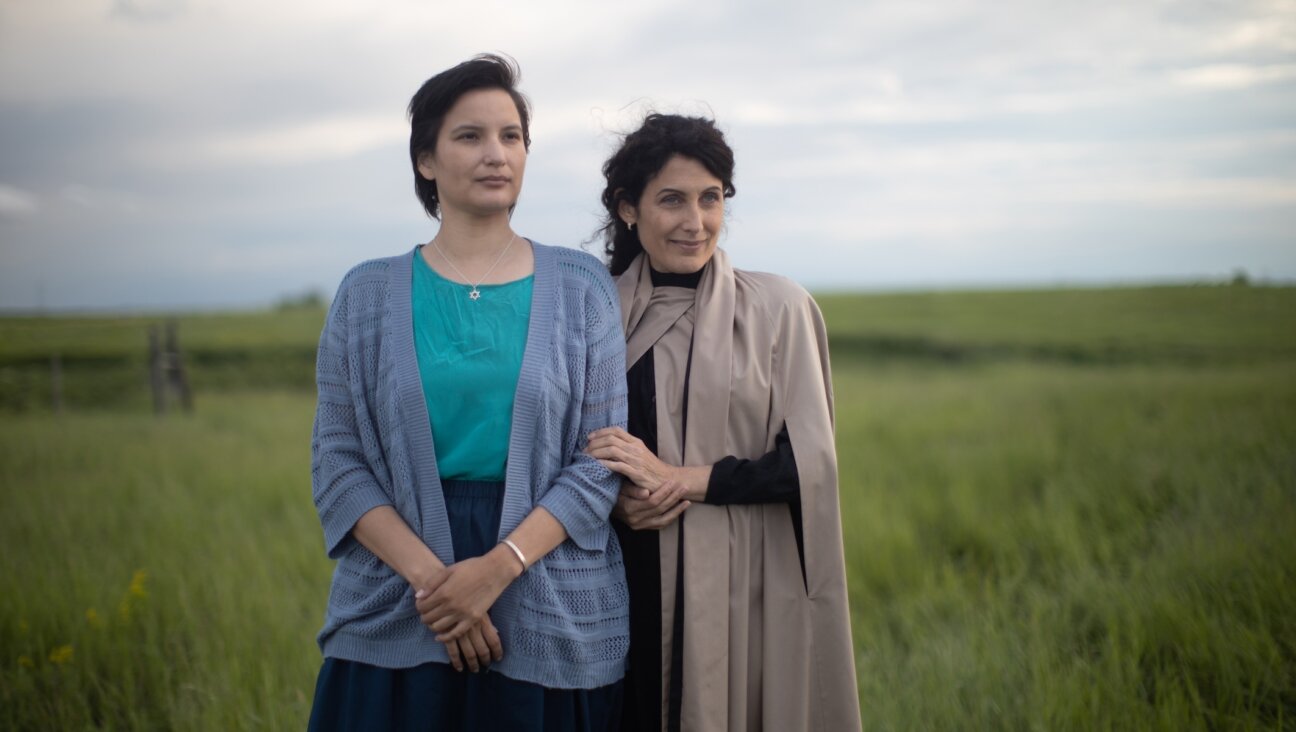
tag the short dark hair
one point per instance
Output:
(642, 155)
(433, 101)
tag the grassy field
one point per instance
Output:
(104, 358)
(1063, 510)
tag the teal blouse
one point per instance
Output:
(469, 356)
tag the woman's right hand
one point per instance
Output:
(476, 648)
(480, 645)
(642, 509)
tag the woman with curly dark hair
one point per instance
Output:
(728, 515)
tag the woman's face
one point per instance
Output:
(679, 216)
(480, 155)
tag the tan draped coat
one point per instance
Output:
(763, 647)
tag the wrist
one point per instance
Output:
(695, 480)
(671, 474)
(508, 561)
(425, 575)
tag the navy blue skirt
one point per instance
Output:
(357, 696)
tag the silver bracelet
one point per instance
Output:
(518, 552)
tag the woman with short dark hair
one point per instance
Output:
(478, 584)
(729, 516)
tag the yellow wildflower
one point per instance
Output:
(25, 661)
(62, 654)
(137, 584)
(134, 592)
(92, 617)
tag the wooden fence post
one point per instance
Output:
(155, 371)
(56, 383)
(166, 368)
(175, 360)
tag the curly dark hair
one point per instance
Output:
(642, 155)
(433, 101)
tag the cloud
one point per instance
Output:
(101, 200)
(16, 203)
(1274, 32)
(952, 137)
(308, 141)
(148, 10)
(1233, 76)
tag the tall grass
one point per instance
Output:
(1054, 519)
(1053, 548)
(215, 512)
(105, 358)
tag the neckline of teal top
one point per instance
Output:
(469, 356)
(418, 254)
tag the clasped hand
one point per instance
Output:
(651, 497)
(454, 605)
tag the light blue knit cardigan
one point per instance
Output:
(564, 622)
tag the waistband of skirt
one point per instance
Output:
(472, 488)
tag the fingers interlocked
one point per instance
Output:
(654, 510)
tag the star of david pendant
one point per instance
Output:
(474, 294)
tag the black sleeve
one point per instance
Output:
(771, 478)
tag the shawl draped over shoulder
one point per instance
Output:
(764, 647)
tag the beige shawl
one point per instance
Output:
(763, 648)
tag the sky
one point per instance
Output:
(196, 154)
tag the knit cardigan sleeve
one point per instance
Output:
(342, 484)
(582, 495)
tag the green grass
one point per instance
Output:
(105, 358)
(1183, 325)
(1062, 510)
(110, 335)
(215, 509)
(1053, 548)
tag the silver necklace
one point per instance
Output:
(473, 293)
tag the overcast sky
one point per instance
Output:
(211, 153)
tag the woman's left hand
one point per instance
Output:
(477, 648)
(641, 511)
(623, 453)
(466, 591)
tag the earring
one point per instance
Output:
(630, 225)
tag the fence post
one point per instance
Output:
(56, 383)
(155, 371)
(175, 360)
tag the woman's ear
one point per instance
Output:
(427, 165)
(629, 214)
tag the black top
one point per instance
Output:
(772, 478)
